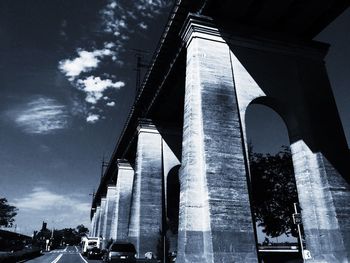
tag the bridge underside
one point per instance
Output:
(300, 19)
(187, 131)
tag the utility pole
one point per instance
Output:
(93, 194)
(298, 221)
(103, 165)
(139, 65)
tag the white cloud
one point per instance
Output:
(113, 5)
(95, 86)
(92, 118)
(117, 17)
(111, 103)
(117, 20)
(85, 61)
(41, 116)
(43, 199)
(143, 25)
(150, 8)
(109, 45)
(63, 210)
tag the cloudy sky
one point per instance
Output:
(67, 84)
(67, 71)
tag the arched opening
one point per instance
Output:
(172, 210)
(273, 189)
(173, 199)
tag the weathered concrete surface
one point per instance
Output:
(146, 209)
(123, 201)
(93, 224)
(111, 200)
(286, 77)
(97, 221)
(215, 216)
(101, 221)
(324, 198)
(215, 220)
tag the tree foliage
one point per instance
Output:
(60, 237)
(273, 192)
(7, 213)
(82, 230)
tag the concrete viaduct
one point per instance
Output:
(180, 167)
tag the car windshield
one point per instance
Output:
(123, 248)
(92, 243)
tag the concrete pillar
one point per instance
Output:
(324, 197)
(101, 218)
(146, 209)
(301, 94)
(293, 82)
(215, 217)
(97, 221)
(111, 199)
(121, 214)
(93, 224)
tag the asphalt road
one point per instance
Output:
(71, 254)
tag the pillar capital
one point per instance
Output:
(146, 125)
(124, 164)
(111, 186)
(199, 27)
(203, 27)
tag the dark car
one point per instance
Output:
(94, 253)
(121, 252)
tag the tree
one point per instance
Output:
(82, 230)
(70, 236)
(273, 192)
(7, 213)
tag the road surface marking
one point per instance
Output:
(57, 259)
(65, 249)
(83, 258)
(76, 248)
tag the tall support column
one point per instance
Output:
(289, 77)
(93, 224)
(101, 218)
(97, 221)
(215, 217)
(324, 198)
(111, 199)
(123, 200)
(146, 209)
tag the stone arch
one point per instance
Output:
(259, 188)
(172, 204)
(286, 115)
(173, 198)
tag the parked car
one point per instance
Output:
(94, 253)
(121, 252)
